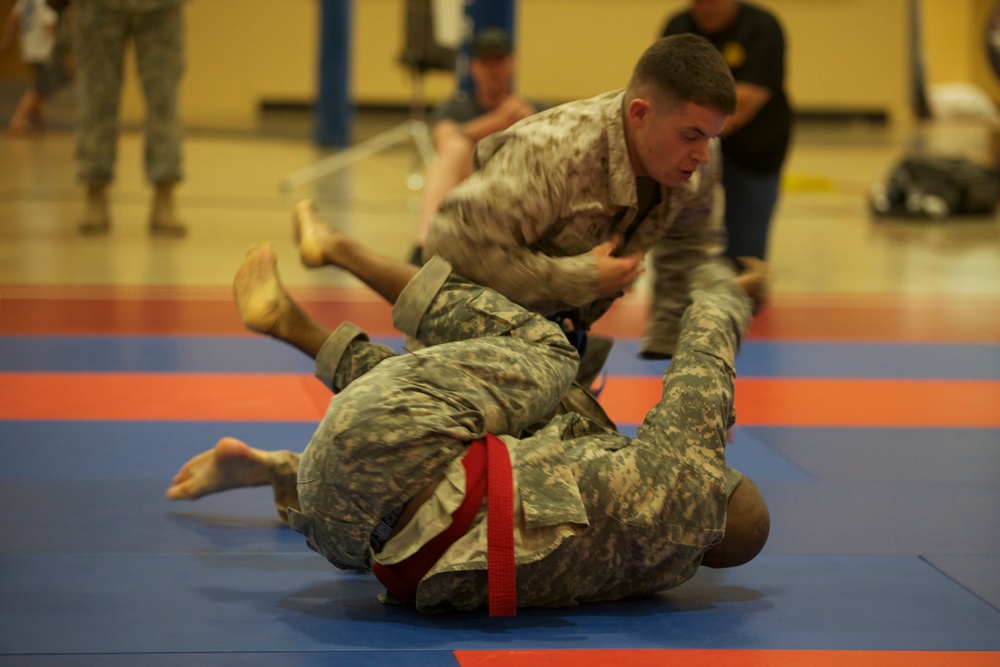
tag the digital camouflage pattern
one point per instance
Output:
(552, 187)
(398, 421)
(103, 29)
(598, 516)
(602, 516)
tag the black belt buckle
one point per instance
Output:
(576, 335)
(382, 530)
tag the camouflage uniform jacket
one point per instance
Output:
(399, 421)
(577, 539)
(598, 515)
(552, 187)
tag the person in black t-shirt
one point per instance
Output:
(756, 138)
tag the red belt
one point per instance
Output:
(487, 464)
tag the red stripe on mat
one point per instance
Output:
(202, 312)
(210, 310)
(296, 397)
(726, 658)
(162, 396)
(809, 402)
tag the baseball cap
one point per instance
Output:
(491, 41)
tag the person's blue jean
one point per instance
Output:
(750, 200)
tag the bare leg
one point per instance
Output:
(231, 464)
(320, 244)
(452, 165)
(267, 308)
(28, 108)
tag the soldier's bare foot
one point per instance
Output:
(317, 239)
(267, 308)
(260, 297)
(231, 464)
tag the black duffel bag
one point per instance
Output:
(936, 187)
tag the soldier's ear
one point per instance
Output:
(637, 111)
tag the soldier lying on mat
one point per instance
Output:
(394, 477)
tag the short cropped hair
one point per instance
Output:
(687, 68)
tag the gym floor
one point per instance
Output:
(868, 406)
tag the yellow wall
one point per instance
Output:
(946, 25)
(843, 54)
(376, 45)
(982, 73)
(954, 35)
(238, 53)
(576, 48)
(567, 49)
(11, 67)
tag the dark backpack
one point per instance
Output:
(936, 187)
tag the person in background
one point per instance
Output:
(36, 22)
(756, 138)
(563, 206)
(103, 30)
(459, 122)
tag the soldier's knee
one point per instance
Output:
(748, 523)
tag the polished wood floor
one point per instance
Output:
(868, 409)
(823, 242)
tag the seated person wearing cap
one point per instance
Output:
(458, 123)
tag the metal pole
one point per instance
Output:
(333, 105)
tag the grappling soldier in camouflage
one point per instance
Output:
(596, 515)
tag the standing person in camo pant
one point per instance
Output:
(103, 30)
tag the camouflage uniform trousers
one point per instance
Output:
(103, 29)
(398, 421)
(647, 507)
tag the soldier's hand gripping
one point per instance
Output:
(615, 274)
